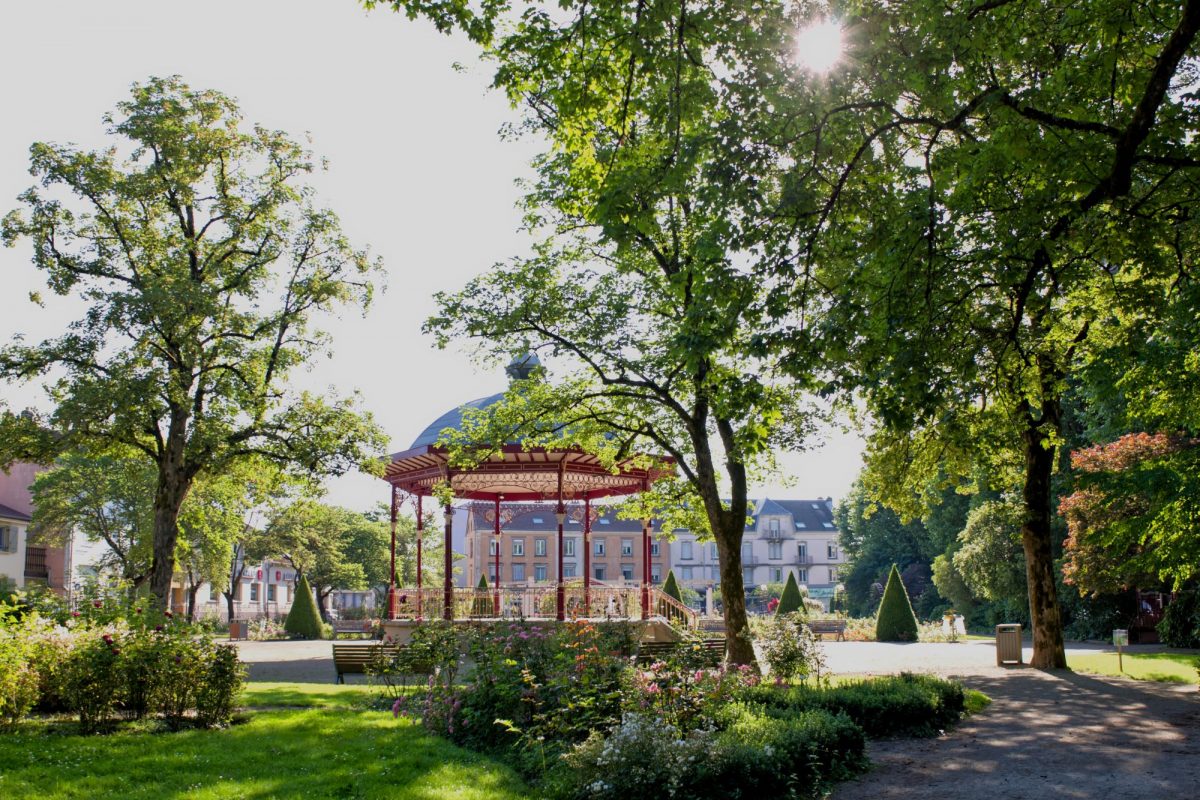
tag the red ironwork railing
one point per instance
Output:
(539, 602)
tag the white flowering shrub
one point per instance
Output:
(642, 757)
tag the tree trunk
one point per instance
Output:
(193, 590)
(1044, 611)
(321, 597)
(229, 603)
(173, 485)
(738, 642)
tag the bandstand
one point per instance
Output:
(564, 482)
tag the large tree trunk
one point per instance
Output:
(738, 642)
(321, 597)
(173, 485)
(1044, 611)
(193, 590)
(229, 602)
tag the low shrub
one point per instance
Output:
(93, 682)
(758, 755)
(901, 705)
(18, 679)
(788, 647)
(223, 678)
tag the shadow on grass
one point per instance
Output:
(312, 753)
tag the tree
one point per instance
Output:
(108, 498)
(791, 601)
(334, 548)
(662, 219)
(1022, 180)
(989, 554)
(202, 262)
(896, 621)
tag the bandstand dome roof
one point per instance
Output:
(515, 473)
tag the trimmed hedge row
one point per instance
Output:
(901, 705)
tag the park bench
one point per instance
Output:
(820, 627)
(354, 658)
(649, 652)
(352, 626)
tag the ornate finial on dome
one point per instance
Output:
(521, 367)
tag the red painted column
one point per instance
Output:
(645, 569)
(560, 593)
(496, 583)
(391, 592)
(420, 532)
(448, 584)
(587, 556)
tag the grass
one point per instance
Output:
(317, 751)
(1166, 667)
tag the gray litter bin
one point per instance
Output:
(1008, 645)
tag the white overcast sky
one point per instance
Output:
(416, 170)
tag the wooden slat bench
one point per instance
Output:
(351, 626)
(649, 652)
(351, 659)
(823, 626)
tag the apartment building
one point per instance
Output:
(529, 547)
(782, 536)
(22, 562)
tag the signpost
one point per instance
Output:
(1120, 639)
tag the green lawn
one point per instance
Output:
(1170, 667)
(323, 750)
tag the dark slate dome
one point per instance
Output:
(519, 369)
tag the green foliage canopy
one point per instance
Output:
(200, 256)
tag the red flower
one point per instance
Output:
(97, 603)
(168, 614)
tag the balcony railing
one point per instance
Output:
(35, 563)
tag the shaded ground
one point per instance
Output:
(1050, 735)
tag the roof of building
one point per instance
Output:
(807, 515)
(543, 521)
(13, 514)
(520, 368)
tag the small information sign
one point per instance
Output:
(1120, 638)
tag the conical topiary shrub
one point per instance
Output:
(482, 607)
(671, 586)
(791, 600)
(303, 621)
(896, 621)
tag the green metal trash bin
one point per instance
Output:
(1008, 645)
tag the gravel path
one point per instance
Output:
(1046, 734)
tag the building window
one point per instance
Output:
(748, 576)
(802, 575)
(716, 573)
(568, 547)
(518, 547)
(832, 550)
(627, 547)
(656, 574)
(833, 574)
(568, 570)
(776, 575)
(493, 546)
(685, 551)
(654, 549)
(539, 572)
(8, 539)
(254, 593)
(518, 572)
(773, 526)
(599, 548)
(598, 572)
(627, 571)
(539, 547)
(802, 550)
(685, 573)
(775, 550)
(492, 574)
(270, 593)
(712, 552)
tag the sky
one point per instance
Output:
(417, 171)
